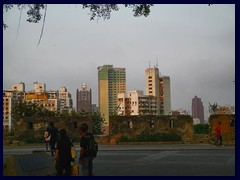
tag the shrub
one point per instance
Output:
(31, 139)
(151, 137)
(201, 129)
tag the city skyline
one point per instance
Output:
(194, 45)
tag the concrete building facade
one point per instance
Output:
(152, 85)
(165, 95)
(10, 99)
(198, 109)
(65, 100)
(111, 81)
(49, 99)
(159, 87)
(136, 103)
(84, 99)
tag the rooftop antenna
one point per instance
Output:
(157, 61)
(149, 64)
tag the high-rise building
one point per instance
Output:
(152, 85)
(65, 100)
(165, 95)
(198, 109)
(84, 99)
(10, 99)
(111, 81)
(136, 103)
(159, 87)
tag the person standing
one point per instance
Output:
(86, 158)
(47, 137)
(53, 138)
(63, 155)
(218, 131)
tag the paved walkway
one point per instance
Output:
(149, 147)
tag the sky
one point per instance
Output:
(194, 45)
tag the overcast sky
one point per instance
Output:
(194, 44)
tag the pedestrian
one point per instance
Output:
(86, 155)
(47, 137)
(63, 155)
(218, 131)
(53, 138)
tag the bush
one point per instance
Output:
(201, 129)
(157, 137)
(31, 139)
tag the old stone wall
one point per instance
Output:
(227, 125)
(35, 127)
(133, 125)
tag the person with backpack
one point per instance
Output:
(88, 150)
(53, 138)
(47, 137)
(63, 154)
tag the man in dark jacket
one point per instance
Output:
(54, 137)
(63, 154)
(85, 159)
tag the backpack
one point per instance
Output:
(92, 146)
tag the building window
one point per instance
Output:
(151, 123)
(150, 84)
(30, 125)
(232, 122)
(171, 123)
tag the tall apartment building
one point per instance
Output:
(10, 99)
(165, 95)
(198, 109)
(65, 100)
(49, 99)
(136, 103)
(159, 87)
(84, 98)
(111, 81)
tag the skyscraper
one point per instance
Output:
(198, 109)
(65, 99)
(152, 85)
(84, 99)
(111, 81)
(165, 94)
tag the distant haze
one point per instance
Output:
(194, 45)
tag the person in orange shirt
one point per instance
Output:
(218, 131)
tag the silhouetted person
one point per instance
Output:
(53, 138)
(63, 154)
(86, 158)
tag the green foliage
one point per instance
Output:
(31, 139)
(96, 10)
(201, 129)
(213, 108)
(97, 123)
(28, 109)
(157, 137)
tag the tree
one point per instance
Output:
(213, 108)
(35, 13)
(97, 123)
(28, 109)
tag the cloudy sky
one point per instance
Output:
(194, 45)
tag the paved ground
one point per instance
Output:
(157, 160)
